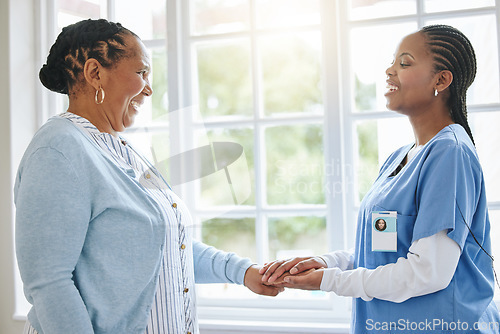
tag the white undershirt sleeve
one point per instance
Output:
(429, 267)
(342, 259)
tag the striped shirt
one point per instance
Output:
(173, 310)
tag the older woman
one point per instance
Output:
(103, 244)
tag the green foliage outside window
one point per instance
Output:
(224, 80)
(297, 233)
(235, 235)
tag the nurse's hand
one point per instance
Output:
(253, 281)
(273, 270)
(309, 281)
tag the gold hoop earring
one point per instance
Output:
(96, 99)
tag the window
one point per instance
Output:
(283, 103)
(239, 57)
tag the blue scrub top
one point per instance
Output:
(432, 192)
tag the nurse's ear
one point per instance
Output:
(443, 80)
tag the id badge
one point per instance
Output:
(384, 231)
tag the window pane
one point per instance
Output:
(370, 9)
(219, 16)
(159, 83)
(291, 64)
(372, 52)
(484, 127)
(146, 18)
(236, 185)
(287, 13)
(374, 142)
(295, 164)
(495, 245)
(72, 11)
(482, 32)
(224, 79)
(231, 235)
(447, 5)
(297, 236)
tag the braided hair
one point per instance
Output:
(98, 39)
(453, 51)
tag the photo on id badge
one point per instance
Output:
(384, 231)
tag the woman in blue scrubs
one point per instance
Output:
(434, 254)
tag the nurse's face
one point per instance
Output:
(411, 77)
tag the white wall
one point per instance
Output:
(17, 111)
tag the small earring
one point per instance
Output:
(96, 99)
(435, 92)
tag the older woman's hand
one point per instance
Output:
(253, 281)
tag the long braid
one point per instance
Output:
(453, 51)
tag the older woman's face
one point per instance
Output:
(127, 85)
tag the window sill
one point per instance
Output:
(19, 317)
(264, 327)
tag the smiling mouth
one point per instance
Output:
(136, 105)
(391, 88)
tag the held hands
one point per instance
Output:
(253, 281)
(299, 273)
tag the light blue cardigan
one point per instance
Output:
(89, 240)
